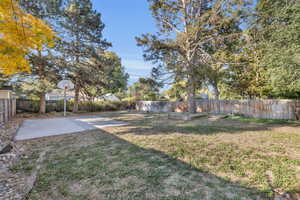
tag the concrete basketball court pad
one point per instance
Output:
(38, 128)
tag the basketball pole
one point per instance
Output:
(65, 85)
(65, 102)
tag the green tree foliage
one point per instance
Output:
(33, 88)
(116, 78)
(80, 52)
(268, 59)
(146, 89)
(107, 75)
(279, 24)
(4, 80)
(45, 70)
(189, 32)
(81, 33)
(44, 77)
(246, 78)
(177, 92)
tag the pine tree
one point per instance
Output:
(187, 31)
(278, 22)
(105, 75)
(146, 89)
(269, 56)
(81, 28)
(44, 69)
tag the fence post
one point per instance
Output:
(9, 109)
(1, 112)
(5, 111)
(14, 107)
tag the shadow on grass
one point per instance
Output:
(107, 162)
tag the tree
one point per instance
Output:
(81, 30)
(20, 33)
(116, 77)
(247, 77)
(215, 74)
(177, 92)
(187, 31)
(278, 24)
(33, 88)
(107, 76)
(4, 79)
(146, 89)
(268, 64)
(44, 67)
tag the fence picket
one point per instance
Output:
(266, 108)
(7, 110)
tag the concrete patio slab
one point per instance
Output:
(32, 129)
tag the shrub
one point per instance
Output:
(84, 106)
(100, 106)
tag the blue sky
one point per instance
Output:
(124, 21)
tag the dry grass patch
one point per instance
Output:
(263, 154)
(112, 168)
(159, 159)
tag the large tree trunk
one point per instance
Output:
(191, 95)
(77, 86)
(42, 103)
(76, 100)
(41, 73)
(216, 92)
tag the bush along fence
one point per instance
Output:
(7, 110)
(266, 109)
(84, 106)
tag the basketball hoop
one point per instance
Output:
(65, 85)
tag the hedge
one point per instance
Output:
(84, 106)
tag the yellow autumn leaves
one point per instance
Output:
(20, 33)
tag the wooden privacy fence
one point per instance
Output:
(266, 109)
(25, 105)
(7, 110)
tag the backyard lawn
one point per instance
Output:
(159, 159)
